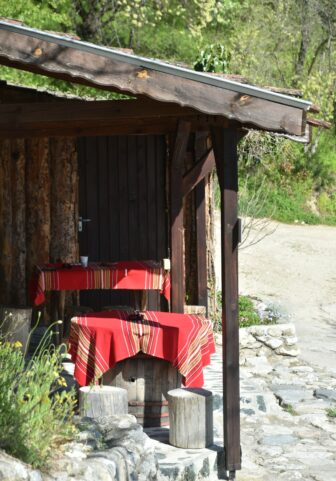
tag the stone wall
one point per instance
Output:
(266, 340)
(113, 448)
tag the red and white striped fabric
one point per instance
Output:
(99, 340)
(139, 275)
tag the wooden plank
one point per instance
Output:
(201, 244)
(90, 229)
(123, 199)
(103, 296)
(92, 207)
(28, 53)
(225, 149)
(162, 196)
(113, 221)
(152, 206)
(132, 195)
(142, 199)
(176, 216)
(102, 188)
(203, 167)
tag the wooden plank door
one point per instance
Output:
(122, 191)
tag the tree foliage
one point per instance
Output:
(289, 43)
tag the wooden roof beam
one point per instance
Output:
(35, 114)
(79, 118)
(67, 63)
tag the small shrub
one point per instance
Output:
(331, 412)
(290, 409)
(248, 314)
(35, 414)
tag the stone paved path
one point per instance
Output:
(286, 434)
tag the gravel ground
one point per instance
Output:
(294, 269)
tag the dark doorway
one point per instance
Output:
(122, 191)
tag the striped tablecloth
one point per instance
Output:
(139, 275)
(99, 340)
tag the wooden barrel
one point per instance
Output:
(147, 380)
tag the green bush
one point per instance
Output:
(247, 314)
(35, 414)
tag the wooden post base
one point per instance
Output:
(191, 418)
(98, 401)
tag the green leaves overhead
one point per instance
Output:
(290, 43)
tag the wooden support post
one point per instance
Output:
(202, 276)
(176, 217)
(225, 148)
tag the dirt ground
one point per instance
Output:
(294, 269)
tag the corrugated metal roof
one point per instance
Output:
(156, 65)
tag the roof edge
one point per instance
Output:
(157, 65)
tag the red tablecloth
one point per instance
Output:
(117, 275)
(99, 340)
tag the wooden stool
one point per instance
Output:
(191, 418)
(97, 401)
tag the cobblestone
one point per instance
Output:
(286, 434)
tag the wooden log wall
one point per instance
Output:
(38, 210)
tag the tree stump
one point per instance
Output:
(15, 323)
(98, 401)
(191, 418)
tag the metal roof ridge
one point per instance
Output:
(157, 65)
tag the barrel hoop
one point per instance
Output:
(160, 415)
(148, 403)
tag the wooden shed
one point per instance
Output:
(128, 166)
